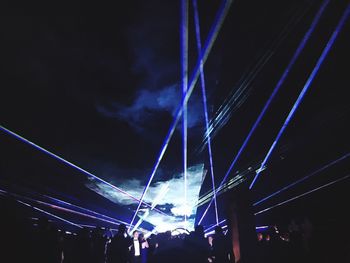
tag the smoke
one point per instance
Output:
(172, 200)
(149, 104)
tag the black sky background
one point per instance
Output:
(59, 71)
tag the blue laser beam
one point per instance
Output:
(211, 227)
(57, 207)
(221, 14)
(238, 97)
(273, 94)
(304, 194)
(85, 209)
(261, 227)
(184, 72)
(302, 179)
(50, 214)
(204, 98)
(73, 165)
(213, 231)
(304, 90)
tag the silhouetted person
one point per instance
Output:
(82, 247)
(98, 245)
(47, 246)
(118, 249)
(197, 246)
(153, 246)
(222, 247)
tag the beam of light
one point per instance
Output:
(204, 97)
(229, 184)
(142, 218)
(273, 94)
(304, 194)
(219, 19)
(72, 165)
(61, 208)
(261, 227)
(47, 213)
(155, 202)
(305, 89)
(235, 100)
(302, 179)
(221, 190)
(213, 231)
(163, 191)
(86, 210)
(211, 227)
(239, 178)
(184, 79)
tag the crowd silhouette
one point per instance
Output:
(43, 242)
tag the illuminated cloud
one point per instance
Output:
(172, 197)
(149, 103)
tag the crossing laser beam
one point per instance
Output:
(305, 89)
(47, 213)
(273, 94)
(57, 157)
(184, 72)
(204, 97)
(219, 19)
(301, 195)
(61, 208)
(302, 179)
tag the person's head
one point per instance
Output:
(135, 234)
(267, 238)
(260, 236)
(218, 230)
(199, 230)
(121, 228)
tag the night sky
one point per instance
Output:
(100, 88)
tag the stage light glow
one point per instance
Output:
(261, 227)
(142, 218)
(301, 195)
(272, 96)
(223, 10)
(302, 179)
(184, 210)
(204, 97)
(159, 197)
(162, 194)
(305, 89)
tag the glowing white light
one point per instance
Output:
(163, 192)
(142, 218)
(184, 210)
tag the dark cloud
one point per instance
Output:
(149, 103)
